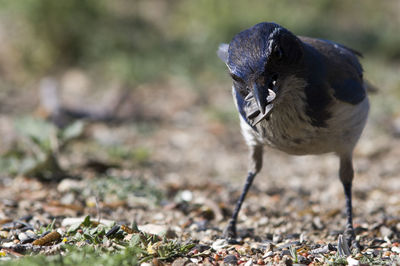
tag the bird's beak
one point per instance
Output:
(260, 94)
(263, 97)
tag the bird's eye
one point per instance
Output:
(236, 78)
(278, 54)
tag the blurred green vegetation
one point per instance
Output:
(140, 41)
(36, 152)
(132, 42)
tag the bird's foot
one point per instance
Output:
(350, 238)
(230, 232)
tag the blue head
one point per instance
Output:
(259, 59)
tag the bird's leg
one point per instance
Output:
(255, 165)
(346, 174)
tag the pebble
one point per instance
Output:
(201, 248)
(68, 198)
(396, 127)
(376, 252)
(317, 224)
(8, 245)
(243, 250)
(352, 262)
(249, 263)
(186, 195)
(285, 252)
(156, 229)
(385, 231)
(70, 184)
(263, 221)
(268, 254)
(219, 244)
(277, 238)
(3, 234)
(194, 260)
(277, 258)
(322, 250)
(303, 260)
(156, 262)
(287, 261)
(386, 254)
(396, 249)
(231, 260)
(31, 234)
(23, 237)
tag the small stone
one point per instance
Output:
(277, 238)
(317, 224)
(31, 234)
(67, 198)
(193, 262)
(201, 248)
(287, 261)
(385, 231)
(396, 127)
(396, 249)
(322, 250)
(243, 249)
(303, 260)
(352, 262)
(303, 237)
(263, 221)
(358, 256)
(285, 252)
(186, 195)
(268, 254)
(3, 234)
(219, 244)
(231, 260)
(249, 263)
(23, 237)
(8, 245)
(70, 184)
(260, 262)
(386, 254)
(156, 229)
(156, 262)
(207, 213)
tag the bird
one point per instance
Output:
(299, 95)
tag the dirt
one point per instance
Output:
(197, 162)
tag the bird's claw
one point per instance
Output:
(350, 237)
(230, 232)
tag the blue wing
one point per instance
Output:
(341, 68)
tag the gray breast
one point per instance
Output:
(289, 128)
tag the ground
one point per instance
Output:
(174, 165)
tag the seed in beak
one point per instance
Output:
(271, 95)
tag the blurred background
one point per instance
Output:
(96, 88)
